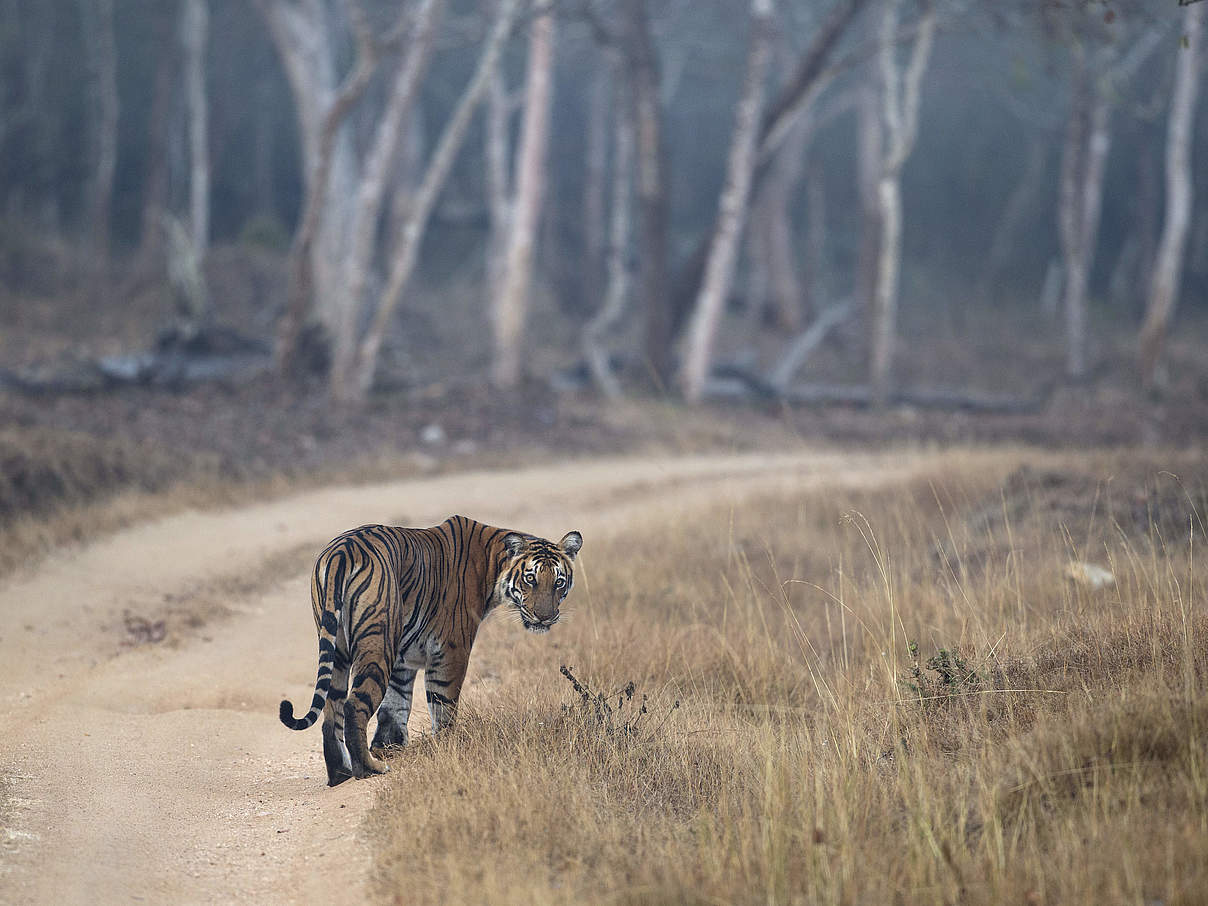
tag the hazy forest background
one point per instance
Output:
(863, 341)
(269, 235)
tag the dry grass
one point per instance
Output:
(889, 697)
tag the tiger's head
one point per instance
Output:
(537, 576)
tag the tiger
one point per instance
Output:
(389, 601)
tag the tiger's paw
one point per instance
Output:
(373, 765)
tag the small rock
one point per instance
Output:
(1089, 575)
(432, 434)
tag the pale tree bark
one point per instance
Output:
(778, 291)
(870, 145)
(612, 310)
(194, 35)
(900, 110)
(366, 213)
(1083, 166)
(497, 158)
(816, 284)
(155, 188)
(723, 252)
(594, 175)
(301, 35)
(1168, 267)
(642, 76)
(101, 56)
(355, 386)
(511, 304)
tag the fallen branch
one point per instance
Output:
(176, 360)
(803, 347)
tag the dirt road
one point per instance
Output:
(158, 772)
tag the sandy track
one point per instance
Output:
(159, 772)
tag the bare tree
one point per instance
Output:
(799, 91)
(616, 292)
(1095, 80)
(780, 292)
(366, 212)
(101, 54)
(155, 192)
(870, 145)
(511, 303)
(900, 112)
(194, 34)
(354, 386)
(498, 180)
(641, 66)
(1083, 161)
(1167, 272)
(304, 42)
(723, 253)
(595, 164)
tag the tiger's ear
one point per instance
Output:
(570, 544)
(514, 543)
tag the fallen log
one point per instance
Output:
(177, 359)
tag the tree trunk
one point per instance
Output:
(355, 386)
(1080, 256)
(1167, 271)
(305, 46)
(901, 115)
(511, 305)
(870, 151)
(194, 35)
(599, 108)
(617, 290)
(817, 278)
(155, 187)
(783, 300)
(366, 213)
(498, 180)
(642, 75)
(723, 253)
(97, 19)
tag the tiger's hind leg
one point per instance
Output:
(395, 709)
(335, 753)
(364, 696)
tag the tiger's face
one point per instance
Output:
(537, 577)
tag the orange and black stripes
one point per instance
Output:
(388, 601)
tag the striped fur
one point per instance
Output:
(390, 601)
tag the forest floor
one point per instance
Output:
(868, 678)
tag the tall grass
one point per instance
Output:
(883, 697)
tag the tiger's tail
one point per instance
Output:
(325, 596)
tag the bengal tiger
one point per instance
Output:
(389, 601)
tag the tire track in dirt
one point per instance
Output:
(160, 773)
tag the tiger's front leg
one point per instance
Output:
(395, 709)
